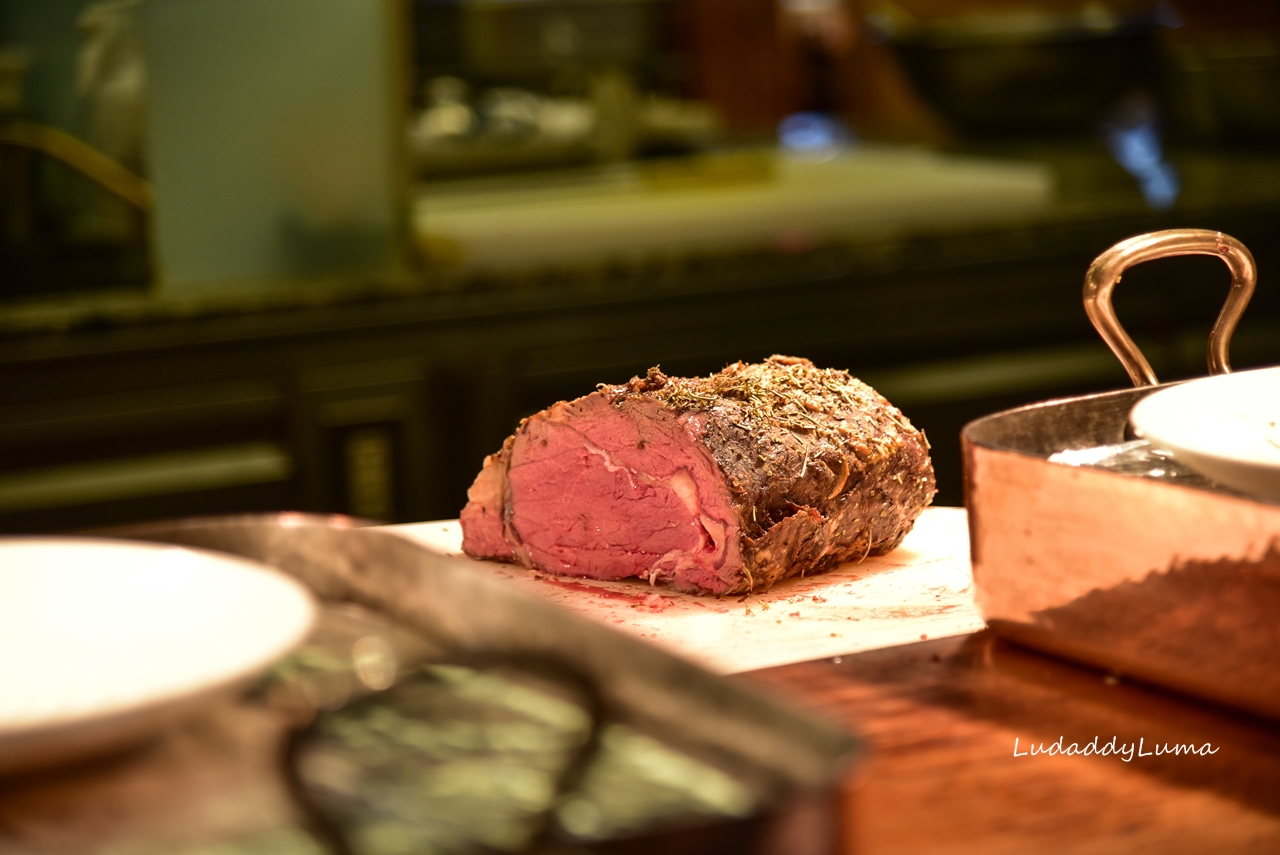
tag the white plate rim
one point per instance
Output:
(158, 707)
(1152, 427)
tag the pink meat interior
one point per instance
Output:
(610, 492)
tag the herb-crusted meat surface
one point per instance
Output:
(718, 484)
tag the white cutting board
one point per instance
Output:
(923, 589)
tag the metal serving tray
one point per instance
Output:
(1171, 584)
(794, 768)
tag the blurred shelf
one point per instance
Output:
(952, 318)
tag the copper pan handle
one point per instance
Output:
(1104, 274)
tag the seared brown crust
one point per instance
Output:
(823, 469)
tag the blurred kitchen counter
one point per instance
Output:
(718, 204)
(960, 298)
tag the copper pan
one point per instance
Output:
(1170, 584)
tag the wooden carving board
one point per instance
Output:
(923, 589)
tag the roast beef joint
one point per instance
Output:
(718, 485)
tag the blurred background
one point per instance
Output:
(325, 254)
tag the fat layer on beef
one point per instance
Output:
(719, 484)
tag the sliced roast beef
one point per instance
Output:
(717, 484)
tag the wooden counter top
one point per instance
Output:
(943, 716)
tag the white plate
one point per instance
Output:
(1227, 428)
(102, 641)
